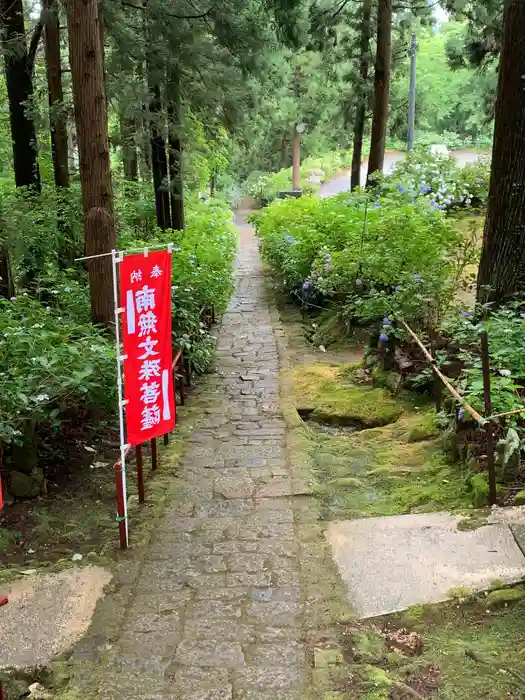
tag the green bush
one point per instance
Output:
(367, 258)
(440, 180)
(265, 187)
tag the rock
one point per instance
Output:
(393, 382)
(26, 485)
(501, 598)
(77, 557)
(519, 498)
(38, 692)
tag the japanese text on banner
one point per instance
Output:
(145, 295)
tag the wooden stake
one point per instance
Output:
(489, 428)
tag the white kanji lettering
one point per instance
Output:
(147, 323)
(156, 272)
(145, 298)
(150, 417)
(149, 369)
(148, 346)
(149, 392)
(136, 276)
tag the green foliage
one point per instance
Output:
(50, 363)
(314, 170)
(440, 180)
(369, 258)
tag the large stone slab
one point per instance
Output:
(391, 563)
(47, 614)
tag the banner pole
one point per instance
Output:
(122, 516)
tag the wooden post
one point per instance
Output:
(488, 427)
(154, 454)
(140, 473)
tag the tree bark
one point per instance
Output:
(159, 160)
(175, 149)
(7, 287)
(502, 267)
(57, 115)
(20, 92)
(87, 73)
(129, 149)
(381, 88)
(362, 95)
(283, 158)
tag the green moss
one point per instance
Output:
(321, 390)
(479, 484)
(459, 592)
(519, 498)
(368, 647)
(503, 597)
(423, 429)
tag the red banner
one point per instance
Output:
(145, 295)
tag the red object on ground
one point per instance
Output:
(145, 296)
(4, 600)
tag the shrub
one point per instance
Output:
(265, 187)
(440, 180)
(369, 259)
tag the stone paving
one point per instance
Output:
(217, 612)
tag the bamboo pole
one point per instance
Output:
(479, 419)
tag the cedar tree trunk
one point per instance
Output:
(87, 73)
(381, 88)
(175, 149)
(362, 99)
(20, 92)
(502, 267)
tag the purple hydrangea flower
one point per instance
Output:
(12, 299)
(398, 288)
(402, 189)
(387, 321)
(383, 338)
(461, 413)
(465, 314)
(377, 205)
(306, 285)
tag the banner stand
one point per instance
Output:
(120, 466)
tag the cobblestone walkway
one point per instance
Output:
(217, 611)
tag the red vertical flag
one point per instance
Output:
(145, 295)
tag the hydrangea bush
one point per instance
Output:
(368, 258)
(440, 180)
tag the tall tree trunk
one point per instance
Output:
(362, 95)
(381, 88)
(159, 160)
(7, 287)
(502, 266)
(129, 148)
(20, 92)
(87, 73)
(175, 149)
(57, 115)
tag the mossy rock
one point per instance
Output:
(424, 429)
(321, 391)
(479, 483)
(504, 597)
(519, 498)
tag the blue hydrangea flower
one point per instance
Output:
(417, 278)
(465, 314)
(398, 288)
(306, 285)
(377, 205)
(461, 413)
(383, 338)
(387, 321)
(402, 189)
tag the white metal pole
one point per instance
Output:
(115, 259)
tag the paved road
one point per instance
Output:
(342, 182)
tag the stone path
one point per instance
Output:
(217, 612)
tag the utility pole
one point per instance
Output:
(412, 94)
